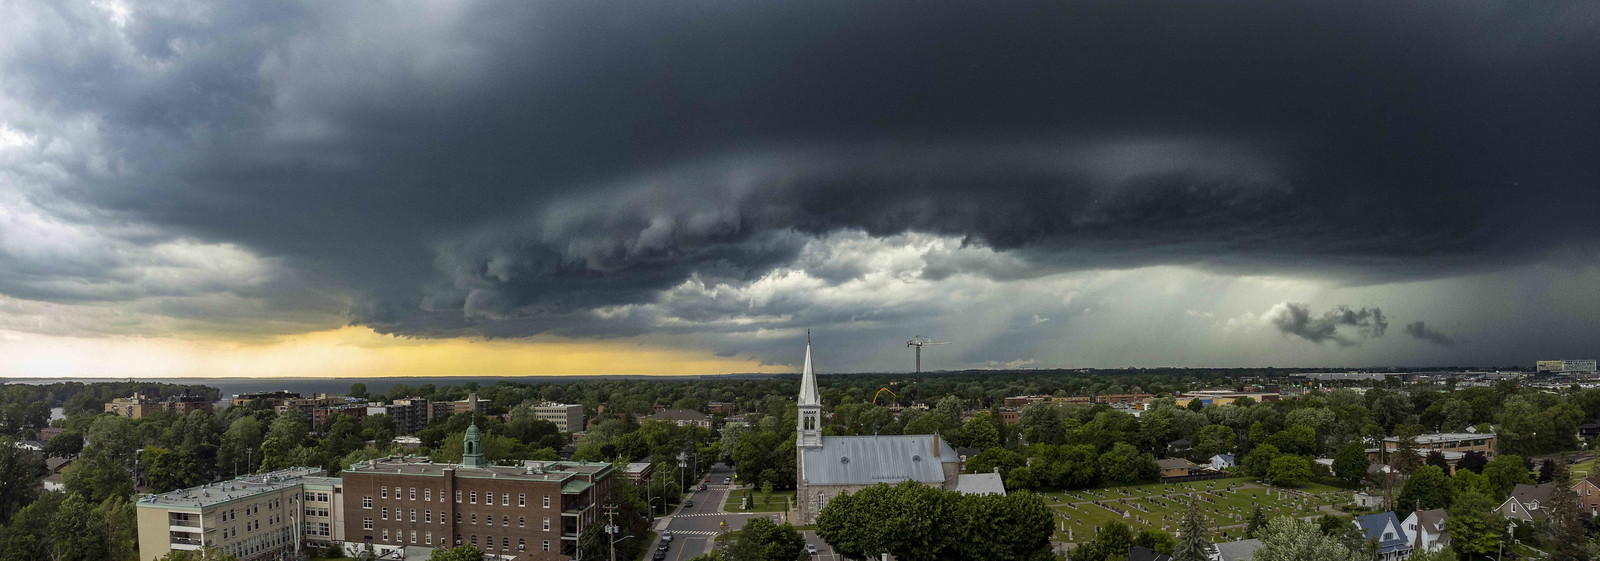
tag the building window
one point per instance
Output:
(366, 502)
(412, 515)
(427, 495)
(547, 523)
(458, 495)
(474, 541)
(520, 522)
(427, 516)
(547, 501)
(522, 499)
(505, 499)
(366, 523)
(385, 534)
(488, 498)
(474, 497)
(474, 518)
(413, 536)
(385, 513)
(411, 494)
(522, 544)
(428, 537)
(383, 492)
(505, 543)
(547, 545)
(458, 518)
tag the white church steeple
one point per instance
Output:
(809, 407)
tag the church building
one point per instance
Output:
(829, 465)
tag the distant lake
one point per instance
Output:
(232, 386)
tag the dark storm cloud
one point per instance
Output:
(1293, 318)
(506, 169)
(1421, 331)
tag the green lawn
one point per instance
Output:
(776, 501)
(1228, 502)
(1581, 470)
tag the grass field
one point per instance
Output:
(776, 501)
(1581, 470)
(1222, 503)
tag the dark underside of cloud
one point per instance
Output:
(1421, 331)
(506, 170)
(1296, 319)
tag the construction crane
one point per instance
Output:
(880, 392)
(919, 342)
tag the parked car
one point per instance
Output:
(702, 487)
(727, 480)
(666, 535)
(659, 556)
(688, 504)
(811, 549)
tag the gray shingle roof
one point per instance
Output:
(865, 460)
(1374, 526)
(981, 484)
(1237, 551)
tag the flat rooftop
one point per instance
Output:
(530, 470)
(237, 488)
(1443, 437)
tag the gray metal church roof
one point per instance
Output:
(865, 460)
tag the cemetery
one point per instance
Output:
(1225, 504)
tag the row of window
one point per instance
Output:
(488, 541)
(317, 529)
(472, 497)
(427, 517)
(318, 497)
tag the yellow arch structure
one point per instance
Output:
(880, 392)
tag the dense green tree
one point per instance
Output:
(96, 476)
(980, 432)
(1350, 465)
(913, 521)
(1464, 481)
(1505, 472)
(1212, 440)
(1125, 464)
(764, 540)
(1041, 424)
(1260, 459)
(995, 460)
(1289, 539)
(1299, 440)
(166, 470)
(1256, 523)
(29, 537)
(1568, 535)
(1474, 526)
(76, 532)
(1155, 540)
(19, 478)
(1289, 471)
(1194, 543)
(1427, 488)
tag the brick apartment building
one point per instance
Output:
(140, 405)
(530, 512)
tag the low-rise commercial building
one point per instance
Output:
(1461, 442)
(682, 418)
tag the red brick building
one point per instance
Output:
(530, 512)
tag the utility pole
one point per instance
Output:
(611, 529)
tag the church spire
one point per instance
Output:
(809, 407)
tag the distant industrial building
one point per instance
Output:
(140, 405)
(1568, 367)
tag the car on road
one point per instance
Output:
(811, 549)
(702, 486)
(666, 535)
(688, 504)
(727, 480)
(659, 556)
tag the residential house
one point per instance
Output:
(1425, 530)
(1240, 550)
(682, 418)
(53, 481)
(1142, 553)
(1175, 467)
(1385, 528)
(1526, 502)
(1588, 490)
(1221, 462)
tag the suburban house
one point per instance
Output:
(1525, 502)
(1588, 490)
(1142, 553)
(1221, 462)
(1425, 530)
(1175, 467)
(1385, 529)
(1235, 551)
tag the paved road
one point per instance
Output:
(694, 528)
(825, 552)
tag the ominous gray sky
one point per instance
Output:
(1043, 183)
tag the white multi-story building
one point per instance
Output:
(568, 418)
(256, 517)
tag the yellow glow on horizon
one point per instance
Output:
(353, 352)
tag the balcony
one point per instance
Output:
(185, 542)
(189, 524)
